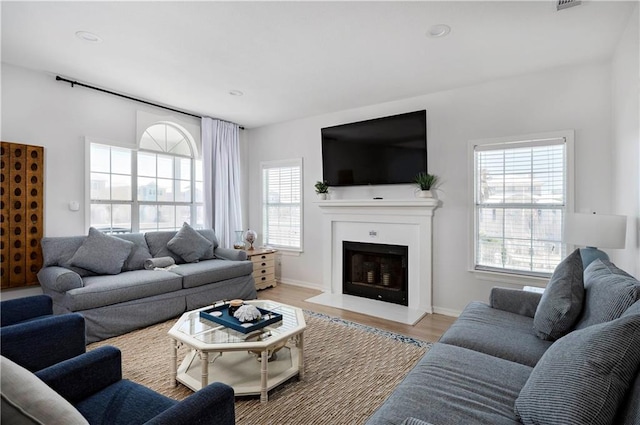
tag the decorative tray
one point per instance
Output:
(220, 314)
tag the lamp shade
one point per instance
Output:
(595, 230)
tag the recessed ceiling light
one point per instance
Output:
(88, 36)
(235, 93)
(439, 30)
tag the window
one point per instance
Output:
(111, 188)
(521, 194)
(281, 204)
(157, 187)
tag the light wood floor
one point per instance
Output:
(430, 328)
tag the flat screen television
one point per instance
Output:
(388, 150)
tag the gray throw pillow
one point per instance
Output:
(139, 252)
(28, 400)
(583, 377)
(102, 254)
(561, 302)
(189, 244)
(609, 292)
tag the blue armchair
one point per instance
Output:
(25, 309)
(93, 384)
(34, 338)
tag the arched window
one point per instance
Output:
(155, 187)
(168, 138)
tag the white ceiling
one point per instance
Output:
(297, 59)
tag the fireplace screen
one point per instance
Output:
(376, 271)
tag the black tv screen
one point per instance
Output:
(387, 150)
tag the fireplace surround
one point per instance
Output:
(390, 222)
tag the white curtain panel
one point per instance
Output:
(221, 163)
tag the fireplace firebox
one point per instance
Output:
(376, 271)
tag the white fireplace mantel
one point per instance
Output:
(405, 222)
(372, 204)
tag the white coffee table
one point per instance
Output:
(237, 359)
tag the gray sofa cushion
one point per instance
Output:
(99, 291)
(157, 243)
(57, 251)
(561, 302)
(190, 245)
(452, 385)
(496, 332)
(414, 421)
(210, 271)
(584, 376)
(243, 288)
(609, 291)
(629, 411)
(102, 253)
(524, 303)
(139, 251)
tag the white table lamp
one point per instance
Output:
(595, 230)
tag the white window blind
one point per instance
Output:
(520, 201)
(281, 204)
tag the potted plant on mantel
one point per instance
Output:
(425, 182)
(322, 189)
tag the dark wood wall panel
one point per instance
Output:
(22, 214)
(34, 207)
(4, 213)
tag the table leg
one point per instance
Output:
(300, 345)
(264, 374)
(204, 367)
(174, 362)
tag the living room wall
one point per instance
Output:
(38, 110)
(626, 140)
(577, 97)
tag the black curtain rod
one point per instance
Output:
(75, 83)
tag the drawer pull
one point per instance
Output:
(263, 278)
(263, 264)
(263, 271)
(264, 257)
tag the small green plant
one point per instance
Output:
(426, 181)
(322, 187)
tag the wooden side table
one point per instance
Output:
(264, 267)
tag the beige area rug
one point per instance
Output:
(350, 369)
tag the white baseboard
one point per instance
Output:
(301, 283)
(446, 311)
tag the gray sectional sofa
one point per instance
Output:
(123, 295)
(498, 363)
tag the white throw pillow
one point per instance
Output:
(28, 400)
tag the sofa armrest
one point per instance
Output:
(230, 254)
(78, 378)
(515, 301)
(21, 309)
(213, 404)
(43, 342)
(59, 279)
